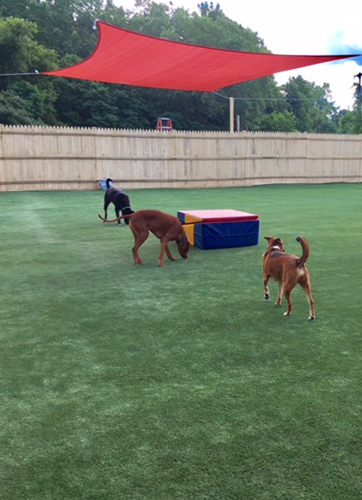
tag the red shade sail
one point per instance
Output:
(128, 58)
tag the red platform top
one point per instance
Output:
(208, 216)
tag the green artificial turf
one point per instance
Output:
(144, 383)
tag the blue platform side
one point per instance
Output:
(181, 217)
(226, 234)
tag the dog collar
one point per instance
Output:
(184, 239)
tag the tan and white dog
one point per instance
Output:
(288, 270)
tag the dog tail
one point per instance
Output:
(305, 247)
(115, 220)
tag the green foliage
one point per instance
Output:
(31, 95)
(26, 104)
(208, 10)
(351, 122)
(19, 8)
(63, 25)
(310, 104)
(29, 101)
(279, 122)
(19, 52)
(84, 103)
(13, 110)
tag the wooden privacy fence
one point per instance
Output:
(56, 158)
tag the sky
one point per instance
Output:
(310, 27)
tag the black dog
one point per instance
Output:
(119, 199)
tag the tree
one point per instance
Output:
(279, 122)
(18, 50)
(310, 104)
(19, 53)
(208, 10)
(13, 110)
(19, 9)
(356, 115)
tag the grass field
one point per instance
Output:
(123, 382)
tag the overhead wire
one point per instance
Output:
(263, 98)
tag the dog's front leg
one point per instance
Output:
(116, 209)
(164, 248)
(106, 203)
(169, 255)
(160, 257)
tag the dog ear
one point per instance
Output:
(267, 238)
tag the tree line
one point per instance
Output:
(42, 35)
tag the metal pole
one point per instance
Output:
(358, 100)
(231, 107)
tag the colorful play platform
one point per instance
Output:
(210, 229)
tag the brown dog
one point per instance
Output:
(288, 270)
(164, 226)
